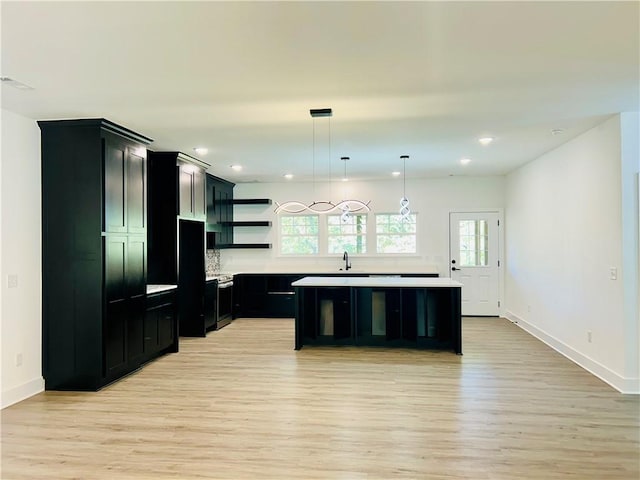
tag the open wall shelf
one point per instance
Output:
(245, 245)
(255, 223)
(252, 201)
(249, 223)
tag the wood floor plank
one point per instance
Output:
(242, 404)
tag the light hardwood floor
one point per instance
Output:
(242, 404)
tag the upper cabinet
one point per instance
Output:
(176, 193)
(180, 180)
(219, 212)
(191, 188)
(125, 194)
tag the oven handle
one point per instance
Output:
(281, 293)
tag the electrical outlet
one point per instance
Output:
(589, 336)
(529, 308)
(12, 281)
(19, 360)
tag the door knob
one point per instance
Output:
(455, 269)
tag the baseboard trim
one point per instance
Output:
(622, 384)
(22, 392)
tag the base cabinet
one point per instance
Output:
(390, 317)
(211, 305)
(270, 295)
(160, 325)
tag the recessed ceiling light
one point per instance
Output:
(396, 174)
(345, 179)
(485, 140)
(465, 161)
(201, 150)
(288, 176)
(557, 131)
(236, 168)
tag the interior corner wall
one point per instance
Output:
(563, 225)
(630, 153)
(21, 308)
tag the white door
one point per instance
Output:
(474, 260)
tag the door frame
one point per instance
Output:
(501, 268)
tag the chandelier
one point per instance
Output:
(346, 207)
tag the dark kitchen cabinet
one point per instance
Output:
(211, 305)
(124, 187)
(264, 295)
(174, 179)
(219, 193)
(160, 324)
(270, 295)
(94, 252)
(191, 188)
(326, 315)
(401, 316)
(125, 293)
(177, 233)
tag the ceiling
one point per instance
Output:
(425, 79)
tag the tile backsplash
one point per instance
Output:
(212, 262)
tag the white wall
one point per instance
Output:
(431, 199)
(21, 307)
(563, 235)
(630, 152)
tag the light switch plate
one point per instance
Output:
(613, 273)
(12, 281)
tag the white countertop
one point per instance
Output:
(399, 282)
(159, 288)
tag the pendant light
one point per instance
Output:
(405, 211)
(324, 206)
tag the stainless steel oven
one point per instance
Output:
(225, 300)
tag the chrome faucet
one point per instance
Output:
(345, 257)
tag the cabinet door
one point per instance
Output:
(166, 325)
(115, 187)
(115, 268)
(210, 305)
(185, 189)
(136, 192)
(115, 334)
(151, 340)
(199, 195)
(225, 208)
(159, 323)
(136, 266)
(135, 330)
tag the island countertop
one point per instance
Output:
(390, 282)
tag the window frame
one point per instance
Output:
(377, 234)
(323, 237)
(364, 236)
(282, 235)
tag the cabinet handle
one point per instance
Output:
(281, 293)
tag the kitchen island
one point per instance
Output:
(380, 311)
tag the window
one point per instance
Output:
(349, 235)
(395, 235)
(474, 244)
(299, 234)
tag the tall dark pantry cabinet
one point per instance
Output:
(94, 246)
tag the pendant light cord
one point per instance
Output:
(404, 177)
